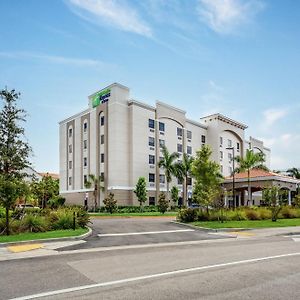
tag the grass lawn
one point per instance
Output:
(42, 235)
(249, 224)
(145, 214)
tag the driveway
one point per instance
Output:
(109, 232)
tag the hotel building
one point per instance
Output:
(120, 139)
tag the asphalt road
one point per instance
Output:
(159, 230)
(265, 268)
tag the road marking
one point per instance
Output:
(144, 232)
(243, 233)
(296, 240)
(26, 247)
(157, 275)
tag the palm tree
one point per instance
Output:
(183, 170)
(95, 182)
(251, 161)
(168, 164)
(294, 172)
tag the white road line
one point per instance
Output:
(158, 275)
(144, 232)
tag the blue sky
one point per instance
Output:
(236, 57)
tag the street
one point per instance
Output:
(203, 266)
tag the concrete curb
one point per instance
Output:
(61, 239)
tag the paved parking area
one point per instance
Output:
(139, 231)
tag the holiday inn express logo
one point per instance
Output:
(100, 97)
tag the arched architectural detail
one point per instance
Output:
(172, 119)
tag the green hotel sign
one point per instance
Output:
(100, 97)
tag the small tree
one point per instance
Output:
(163, 203)
(271, 196)
(174, 194)
(96, 183)
(141, 191)
(110, 203)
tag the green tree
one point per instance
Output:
(251, 161)
(294, 172)
(184, 171)
(272, 197)
(207, 176)
(14, 150)
(163, 203)
(141, 191)
(168, 164)
(110, 203)
(174, 195)
(45, 189)
(95, 183)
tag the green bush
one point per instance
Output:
(110, 203)
(82, 218)
(288, 213)
(252, 214)
(236, 215)
(162, 203)
(202, 216)
(14, 226)
(2, 212)
(264, 213)
(186, 215)
(33, 223)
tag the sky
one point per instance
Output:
(236, 57)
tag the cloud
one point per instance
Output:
(78, 62)
(225, 16)
(112, 12)
(273, 115)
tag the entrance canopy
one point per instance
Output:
(260, 179)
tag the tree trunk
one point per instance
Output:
(249, 189)
(186, 191)
(7, 220)
(184, 197)
(167, 194)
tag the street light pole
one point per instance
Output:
(233, 176)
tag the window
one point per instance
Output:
(151, 200)
(221, 168)
(85, 144)
(102, 139)
(230, 156)
(179, 131)
(151, 177)
(203, 139)
(70, 180)
(151, 141)
(84, 179)
(179, 148)
(238, 146)
(230, 170)
(221, 155)
(70, 132)
(161, 158)
(161, 126)
(102, 120)
(189, 181)
(189, 134)
(151, 123)
(70, 148)
(189, 150)
(85, 125)
(162, 143)
(151, 159)
(229, 143)
(84, 161)
(161, 178)
(102, 176)
(102, 158)
(221, 141)
(70, 164)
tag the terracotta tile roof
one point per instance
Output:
(53, 175)
(257, 173)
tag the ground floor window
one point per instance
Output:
(151, 200)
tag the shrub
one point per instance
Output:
(63, 219)
(83, 218)
(287, 213)
(110, 203)
(14, 226)
(187, 215)
(252, 214)
(202, 215)
(34, 223)
(2, 212)
(56, 202)
(162, 203)
(236, 215)
(264, 213)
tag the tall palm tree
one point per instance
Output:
(96, 183)
(168, 163)
(251, 161)
(183, 172)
